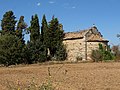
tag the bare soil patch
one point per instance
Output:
(80, 76)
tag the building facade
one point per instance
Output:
(80, 44)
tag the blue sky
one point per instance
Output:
(73, 14)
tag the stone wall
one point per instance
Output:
(93, 46)
(76, 48)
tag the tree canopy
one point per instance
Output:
(48, 38)
(8, 23)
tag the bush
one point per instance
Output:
(9, 50)
(96, 56)
(101, 54)
(36, 52)
(107, 55)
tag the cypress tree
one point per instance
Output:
(8, 40)
(35, 52)
(44, 34)
(35, 46)
(44, 30)
(20, 27)
(20, 42)
(19, 31)
(34, 29)
(52, 41)
(55, 40)
(8, 23)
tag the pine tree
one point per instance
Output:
(34, 29)
(8, 23)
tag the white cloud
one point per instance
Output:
(38, 4)
(68, 6)
(73, 7)
(51, 2)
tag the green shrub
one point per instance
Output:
(107, 55)
(101, 54)
(9, 50)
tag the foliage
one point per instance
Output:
(21, 42)
(52, 41)
(8, 23)
(96, 55)
(12, 41)
(107, 55)
(9, 53)
(61, 53)
(44, 30)
(13, 49)
(44, 34)
(36, 51)
(34, 29)
(55, 39)
(36, 47)
(20, 27)
(101, 54)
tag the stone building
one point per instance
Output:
(80, 44)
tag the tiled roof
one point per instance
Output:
(71, 35)
(96, 38)
(92, 37)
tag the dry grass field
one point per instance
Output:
(81, 76)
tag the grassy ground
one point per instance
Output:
(81, 76)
